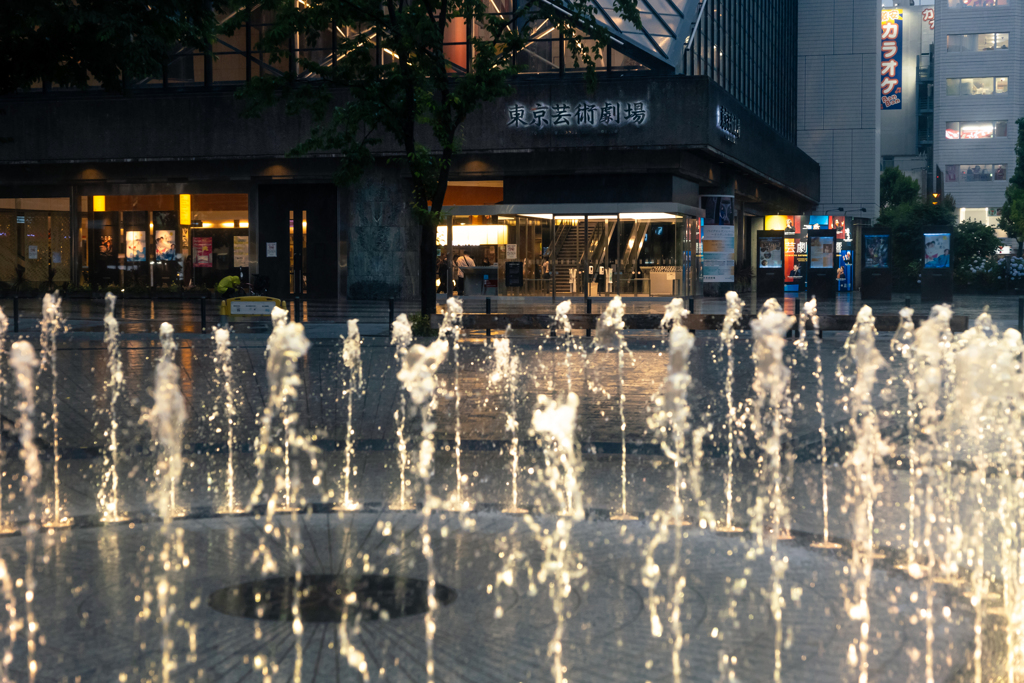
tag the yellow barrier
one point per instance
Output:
(242, 308)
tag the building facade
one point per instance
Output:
(978, 98)
(598, 190)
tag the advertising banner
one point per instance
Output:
(204, 252)
(892, 58)
(876, 251)
(719, 253)
(936, 250)
(719, 238)
(787, 224)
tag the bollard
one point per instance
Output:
(391, 314)
(487, 302)
(590, 310)
(1020, 315)
(15, 312)
(202, 313)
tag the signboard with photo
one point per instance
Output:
(718, 238)
(164, 245)
(876, 251)
(135, 245)
(937, 250)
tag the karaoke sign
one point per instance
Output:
(892, 58)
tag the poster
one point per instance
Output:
(795, 257)
(33, 252)
(511, 252)
(788, 224)
(241, 251)
(892, 58)
(838, 223)
(876, 251)
(821, 251)
(135, 245)
(719, 253)
(271, 249)
(817, 222)
(164, 245)
(204, 252)
(769, 252)
(936, 250)
(106, 245)
(718, 210)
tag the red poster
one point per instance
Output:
(793, 273)
(204, 252)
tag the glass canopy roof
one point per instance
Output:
(665, 26)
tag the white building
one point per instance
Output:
(978, 97)
(838, 115)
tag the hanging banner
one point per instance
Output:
(718, 239)
(241, 251)
(204, 252)
(892, 58)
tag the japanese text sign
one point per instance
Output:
(578, 115)
(892, 58)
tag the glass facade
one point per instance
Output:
(975, 130)
(35, 242)
(977, 86)
(968, 173)
(640, 254)
(749, 47)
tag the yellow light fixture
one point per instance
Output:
(185, 209)
(473, 235)
(651, 216)
(99, 203)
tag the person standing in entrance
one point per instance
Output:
(464, 260)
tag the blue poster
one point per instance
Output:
(892, 58)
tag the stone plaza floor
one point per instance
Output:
(95, 596)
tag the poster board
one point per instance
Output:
(240, 251)
(876, 263)
(164, 245)
(135, 246)
(769, 261)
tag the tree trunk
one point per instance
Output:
(428, 263)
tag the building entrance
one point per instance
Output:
(592, 252)
(298, 240)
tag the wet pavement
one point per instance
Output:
(95, 596)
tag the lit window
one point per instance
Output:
(975, 130)
(956, 4)
(985, 85)
(1002, 84)
(977, 42)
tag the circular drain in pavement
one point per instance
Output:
(323, 598)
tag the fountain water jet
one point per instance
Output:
(451, 329)
(51, 324)
(351, 355)
(554, 424)
(24, 364)
(861, 487)
(609, 336)
(771, 384)
(419, 377)
(733, 316)
(113, 387)
(401, 338)
(222, 352)
(505, 380)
